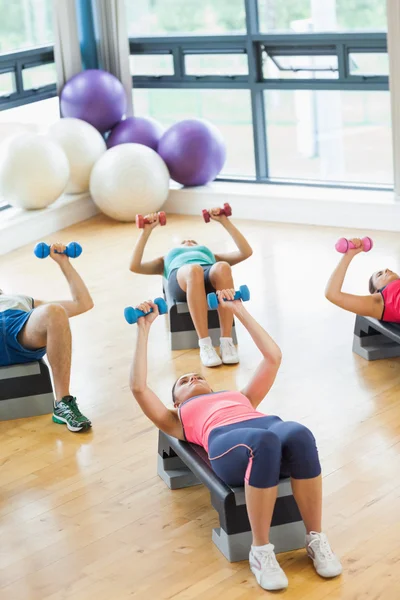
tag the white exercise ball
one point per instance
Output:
(83, 145)
(34, 171)
(129, 179)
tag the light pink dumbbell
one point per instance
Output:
(343, 245)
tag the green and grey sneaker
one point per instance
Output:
(67, 412)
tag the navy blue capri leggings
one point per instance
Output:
(260, 451)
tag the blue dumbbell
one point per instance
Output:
(73, 250)
(133, 314)
(242, 294)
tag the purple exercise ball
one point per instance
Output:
(95, 96)
(194, 151)
(136, 130)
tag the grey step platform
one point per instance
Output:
(25, 391)
(374, 340)
(183, 465)
(183, 333)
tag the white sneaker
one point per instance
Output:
(209, 356)
(266, 569)
(326, 563)
(229, 352)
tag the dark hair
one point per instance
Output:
(371, 285)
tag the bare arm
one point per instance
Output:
(244, 250)
(366, 306)
(81, 298)
(262, 380)
(163, 418)
(150, 267)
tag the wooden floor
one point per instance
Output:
(85, 517)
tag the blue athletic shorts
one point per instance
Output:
(11, 351)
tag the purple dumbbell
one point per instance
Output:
(343, 245)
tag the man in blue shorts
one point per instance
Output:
(31, 328)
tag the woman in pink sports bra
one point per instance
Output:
(245, 446)
(383, 302)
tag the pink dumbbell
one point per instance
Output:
(343, 245)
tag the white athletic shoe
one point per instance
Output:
(229, 353)
(326, 563)
(209, 356)
(266, 569)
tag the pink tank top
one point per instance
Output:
(391, 302)
(201, 414)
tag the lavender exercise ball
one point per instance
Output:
(136, 130)
(96, 97)
(194, 151)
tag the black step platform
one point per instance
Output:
(25, 391)
(183, 465)
(375, 339)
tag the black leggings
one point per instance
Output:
(177, 292)
(262, 450)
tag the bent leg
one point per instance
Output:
(221, 279)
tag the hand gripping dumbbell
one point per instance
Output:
(242, 294)
(343, 245)
(141, 221)
(133, 314)
(73, 250)
(226, 210)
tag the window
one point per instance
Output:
(298, 88)
(25, 24)
(189, 17)
(329, 136)
(304, 16)
(229, 111)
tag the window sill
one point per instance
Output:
(19, 227)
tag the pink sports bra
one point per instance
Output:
(201, 414)
(391, 302)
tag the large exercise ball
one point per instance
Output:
(194, 151)
(94, 96)
(127, 180)
(34, 171)
(83, 145)
(136, 130)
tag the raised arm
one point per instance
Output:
(165, 419)
(81, 298)
(365, 306)
(150, 267)
(244, 250)
(265, 374)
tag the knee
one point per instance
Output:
(222, 271)
(300, 440)
(55, 313)
(267, 443)
(195, 273)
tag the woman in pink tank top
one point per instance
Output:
(245, 446)
(383, 301)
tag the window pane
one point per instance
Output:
(303, 16)
(37, 77)
(229, 110)
(192, 17)
(7, 84)
(151, 64)
(300, 67)
(329, 136)
(369, 63)
(216, 64)
(25, 23)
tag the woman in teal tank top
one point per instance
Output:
(192, 271)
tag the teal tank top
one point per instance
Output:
(187, 255)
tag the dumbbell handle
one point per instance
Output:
(226, 210)
(242, 293)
